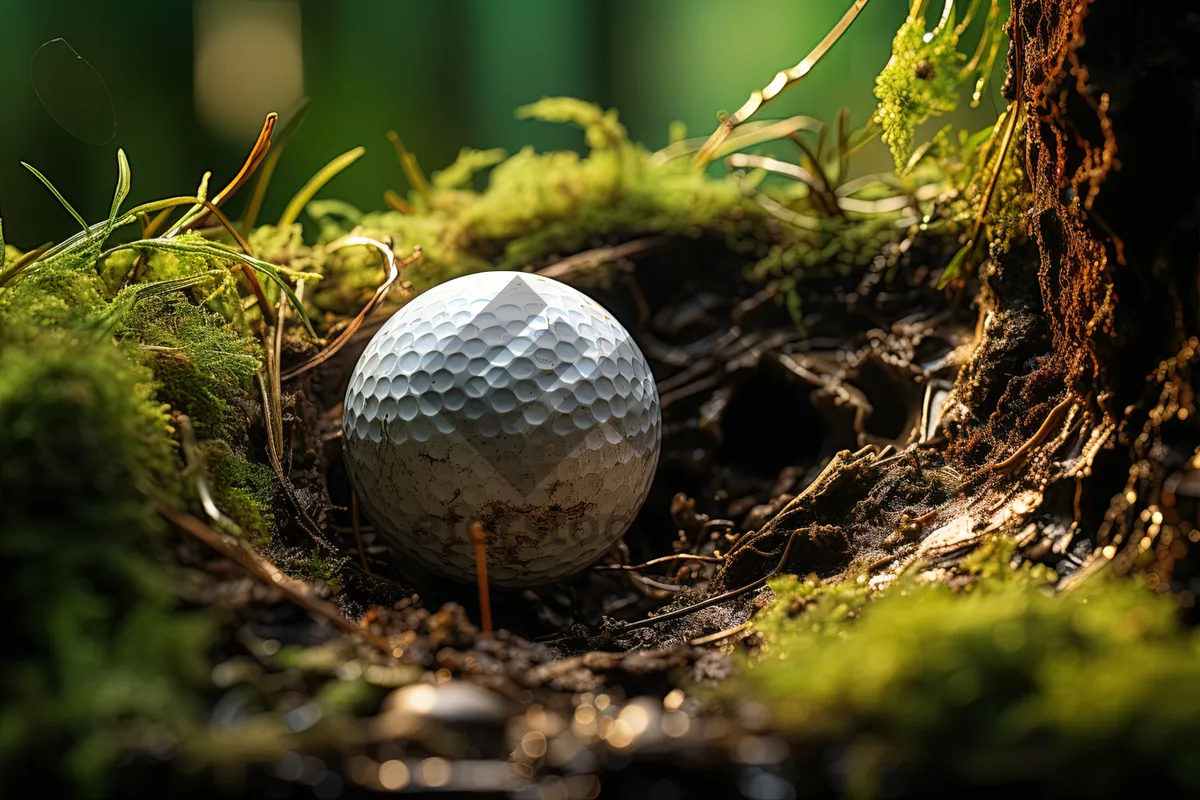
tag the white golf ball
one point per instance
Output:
(508, 399)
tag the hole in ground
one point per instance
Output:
(770, 423)
(891, 399)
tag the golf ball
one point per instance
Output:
(508, 399)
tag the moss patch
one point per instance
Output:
(202, 365)
(314, 565)
(538, 206)
(53, 294)
(98, 641)
(971, 680)
(243, 490)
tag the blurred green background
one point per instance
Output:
(190, 82)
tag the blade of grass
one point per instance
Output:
(843, 144)
(959, 262)
(203, 204)
(782, 80)
(122, 191)
(750, 134)
(860, 137)
(408, 162)
(397, 203)
(190, 215)
(816, 184)
(168, 203)
(268, 166)
(257, 153)
(814, 165)
(57, 194)
(993, 31)
(965, 23)
(274, 349)
(955, 268)
(87, 236)
(327, 173)
(152, 225)
(20, 263)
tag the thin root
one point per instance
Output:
(660, 560)
(712, 601)
(719, 635)
(1052, 419)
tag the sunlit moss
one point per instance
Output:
(538, 206)
(202, 365)
(279, 245)
(98, 642)
(243, 490)
(464, 168)
(317, 566)
(54, 294)
(923, 676)
(921, 80)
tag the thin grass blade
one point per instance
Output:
(955, 268)
(123, 180)
(268, 166)
(57, 194)
(315, 184)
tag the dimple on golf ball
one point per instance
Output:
(511, 400)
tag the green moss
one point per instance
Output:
(601, 127)
(331, 218)
(921, 80)
(162, 265)
(464, 168)
(314, 565)
(279, 245)
(58, 293)
(219, 291)
(820, 605)
(541, 204)
(64, 393)
(98, 641)
(203, 366)
(243, 490)
(924, 676)
(536, 207)
(923, 76)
